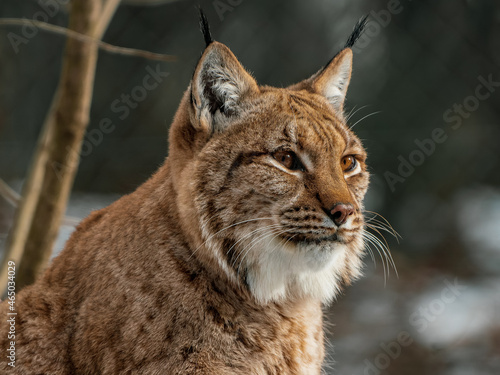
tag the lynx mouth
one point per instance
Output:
(303, 239)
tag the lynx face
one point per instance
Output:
(276, 178)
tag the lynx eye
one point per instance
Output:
(288, 159)
(349, 163)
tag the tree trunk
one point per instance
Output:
(48, 185)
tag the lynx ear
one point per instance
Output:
(333, 80)
(218, 87)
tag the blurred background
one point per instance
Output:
(424, 98)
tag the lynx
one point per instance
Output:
(219, 263)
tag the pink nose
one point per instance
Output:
(340, 213)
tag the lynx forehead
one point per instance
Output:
(219, 263)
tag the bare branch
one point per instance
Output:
(52, 171)
(147, 2)
(9, 194)
(107, 13)
(14, 199)
(87, 39)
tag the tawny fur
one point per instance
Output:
(220, 262)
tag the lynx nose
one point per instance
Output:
(340, 212)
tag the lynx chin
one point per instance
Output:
(221, 261)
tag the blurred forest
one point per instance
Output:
(424, 98)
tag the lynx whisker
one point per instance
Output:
(263, 234)
(349, 115)
(381, 216)
(367, 248)
(353, 112)
(224, 229)
(378, 226)
(273, 234)
(389, 255)
(383, 256)
(384, 228)
(368, 115)
(385, 223)
(252, 233)
(368, 237)
(385, 251)
(373, 227)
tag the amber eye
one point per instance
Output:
(349, 163)
(288, 159)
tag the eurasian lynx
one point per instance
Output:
(220, 262)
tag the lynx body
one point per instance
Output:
(221, 261)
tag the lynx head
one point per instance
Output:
(270, 181)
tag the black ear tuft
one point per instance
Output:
(356, 33)
(205, 28)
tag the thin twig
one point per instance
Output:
(108, 10)
(9, 194)
(13, 198)
(87, 39)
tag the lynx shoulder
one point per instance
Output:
(220, 262)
